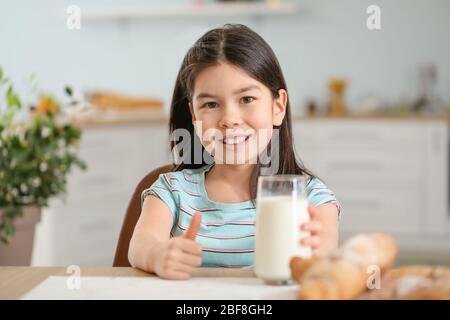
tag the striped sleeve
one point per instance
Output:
(163, 189)
(318, 193)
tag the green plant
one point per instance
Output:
(37, 151)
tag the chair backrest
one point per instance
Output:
(132, 216)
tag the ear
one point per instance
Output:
(279, 107)
(191, 109)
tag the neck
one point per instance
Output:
(233, 174)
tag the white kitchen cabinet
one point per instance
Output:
(389, 174)
(84, 228)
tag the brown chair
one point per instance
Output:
(132, 216)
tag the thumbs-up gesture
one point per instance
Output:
(178, 258)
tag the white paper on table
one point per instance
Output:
(196, 288)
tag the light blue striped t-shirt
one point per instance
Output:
(227, 230)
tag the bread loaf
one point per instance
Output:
(344, 274)
(108, 100)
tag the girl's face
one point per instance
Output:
(234, 114)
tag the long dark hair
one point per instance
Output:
(238, 45)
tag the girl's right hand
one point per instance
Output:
(178, 258)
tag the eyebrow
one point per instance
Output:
(208, 95)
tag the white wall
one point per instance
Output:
(327, 38)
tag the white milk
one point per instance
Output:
(277, 236)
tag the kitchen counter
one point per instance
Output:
(99, 118)
(407, 116)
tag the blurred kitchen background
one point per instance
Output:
(371, 107)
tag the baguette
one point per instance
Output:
(344, 274)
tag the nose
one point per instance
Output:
(230, 118)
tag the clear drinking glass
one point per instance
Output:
(281, 206)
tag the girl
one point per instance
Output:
(203, 214)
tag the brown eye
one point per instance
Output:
(210, 105)
(247, 100)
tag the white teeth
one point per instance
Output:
(236, 140)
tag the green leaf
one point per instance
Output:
(81, 164)
(13, 100)
(1, 73)
(69, 91)
(7, 232)
(11, 97)
(7, 118)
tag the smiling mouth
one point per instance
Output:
(234, 141)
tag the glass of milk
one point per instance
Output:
(281, 206)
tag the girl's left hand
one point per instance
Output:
(323, 228)
(314, 226)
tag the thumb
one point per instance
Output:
(312, 210)
(194, 226)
